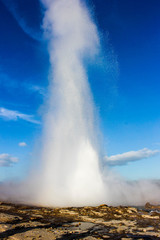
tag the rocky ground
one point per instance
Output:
(102, 222)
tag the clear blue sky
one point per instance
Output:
(125, 83)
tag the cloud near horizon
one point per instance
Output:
(6, 160)
(132, 156)
(22, 144)
(9, 115)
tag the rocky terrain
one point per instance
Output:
(102, 222)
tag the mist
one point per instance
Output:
(70, 169)
(70, 153)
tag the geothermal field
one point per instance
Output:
(102, 222)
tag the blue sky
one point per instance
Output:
(125, 83)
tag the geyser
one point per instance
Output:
(70, 155)
(69, 172)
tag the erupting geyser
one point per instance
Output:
(69, 172)
(70, 158)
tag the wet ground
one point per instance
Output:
(102, 222)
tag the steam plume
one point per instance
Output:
(70, 159)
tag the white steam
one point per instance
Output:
(70, 160)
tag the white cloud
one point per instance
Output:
(15, 115)
(12, 8)
(124, 158)
(7, 160)
(22, 144)
(38, 89)
(7, 82)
